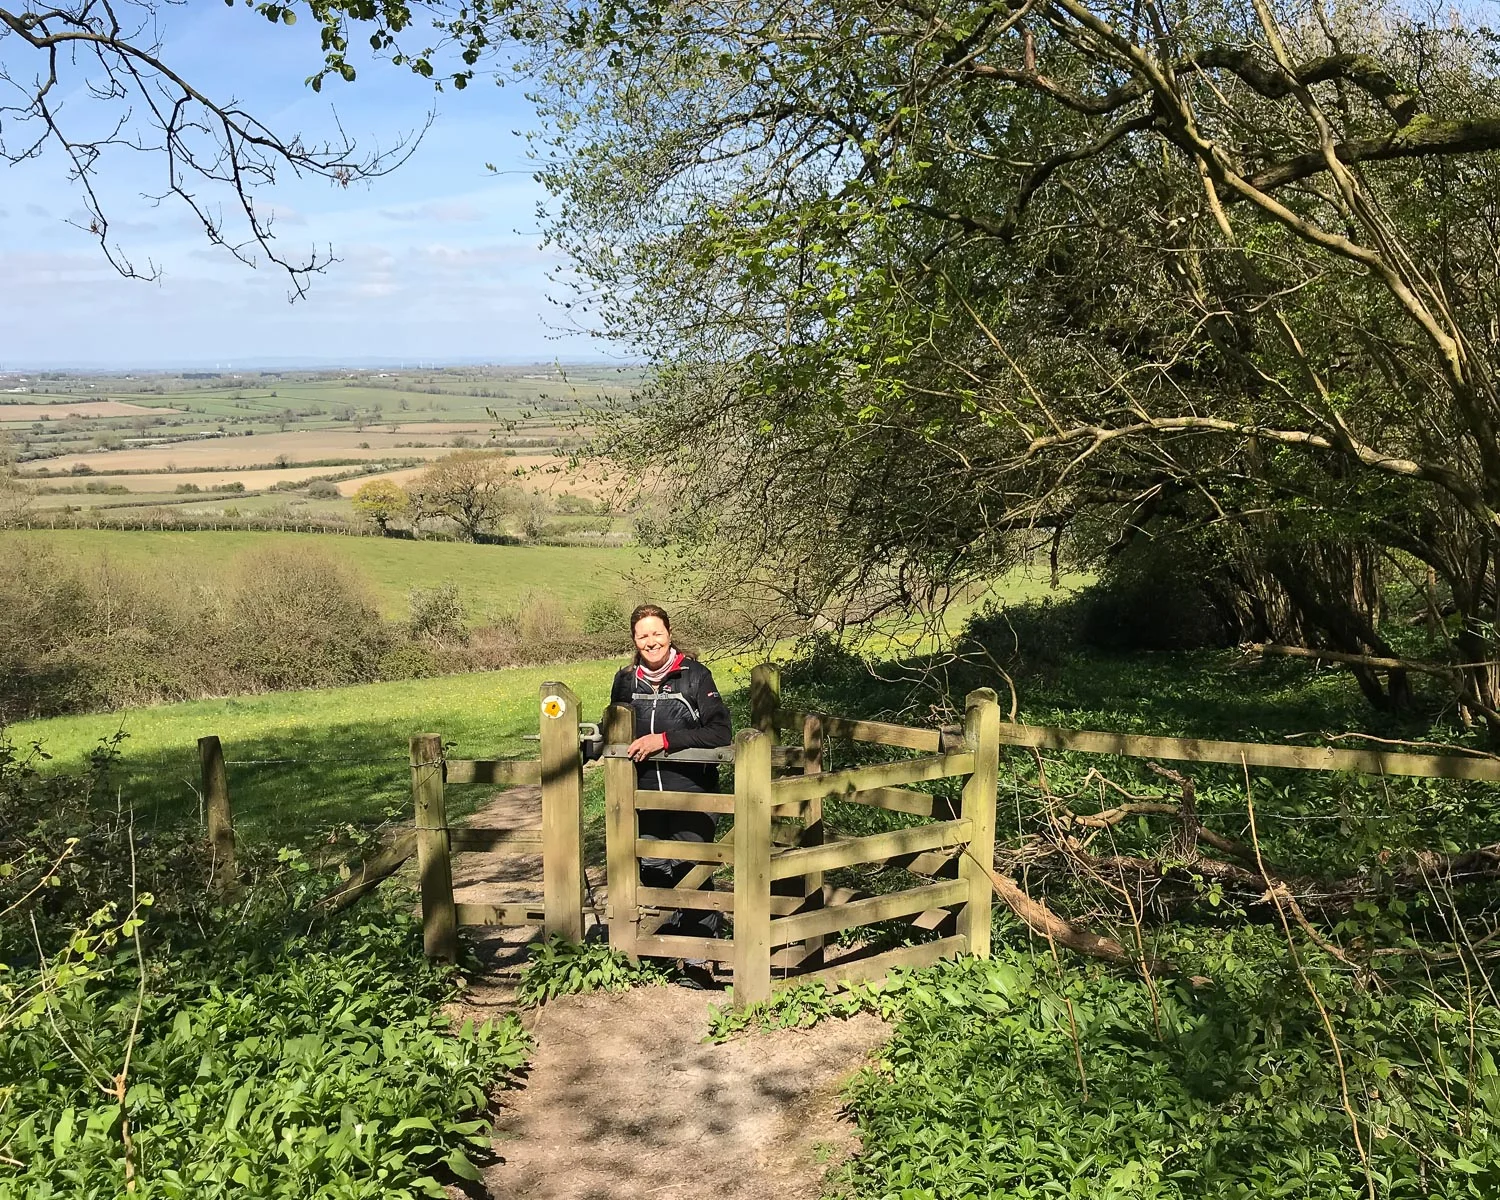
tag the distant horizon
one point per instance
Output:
(309, 363)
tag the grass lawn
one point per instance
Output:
(300, 762)
(492, 580)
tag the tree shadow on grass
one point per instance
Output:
(298, 785)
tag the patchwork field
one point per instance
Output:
(80, 410)
(492, 580)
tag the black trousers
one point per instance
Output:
(669, 872)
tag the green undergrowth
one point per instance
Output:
(558, 967)
(161, 1041)
(1016, 1077)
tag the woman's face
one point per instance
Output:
(653, 641)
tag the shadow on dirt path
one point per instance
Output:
(624, 1101)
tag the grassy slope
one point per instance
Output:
(347, 746)
(492, 580)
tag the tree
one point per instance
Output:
(470, 487)
(109, 52)
(924, 287)
(382, 500)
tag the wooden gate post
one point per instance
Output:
(620, 827)
(225, 872)
(765, 697)
(765, 701)
(562, 813)
(752, 867)
(439, 916)
(982, 734)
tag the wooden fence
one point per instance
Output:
(434, 841)
(779, 849)
(777, 846)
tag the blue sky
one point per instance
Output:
(439, 261)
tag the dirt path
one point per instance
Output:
(624, 1100)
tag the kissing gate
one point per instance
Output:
(777, 848)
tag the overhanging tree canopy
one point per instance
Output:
(920, 276)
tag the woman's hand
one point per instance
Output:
(646, 745)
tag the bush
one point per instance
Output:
(298, 619)
(605, 615)
(437, 615)
(323, 489)
(409, 661)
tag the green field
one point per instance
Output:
(301, 762)
(492, 580)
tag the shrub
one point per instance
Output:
(604, 615)
(437, 614)
(299, 619)
(323, 489)
(409, 661)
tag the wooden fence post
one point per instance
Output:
(812, 834)
(439, 916)
(620, 827)
(765, 698)
(225, 871)
(562, 813)
(982, 734)
(752, 867)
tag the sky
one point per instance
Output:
(438, 262)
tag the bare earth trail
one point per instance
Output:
(623, 1099)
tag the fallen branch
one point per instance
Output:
(1042, 921)
(371, 872)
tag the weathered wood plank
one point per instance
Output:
(469, 838)
(561, 766)
(620, 833)
(670, 946)
(698, 852)
(497, 772)
(371, 872)
(876, 848)
(874, 967)
(886, 734)
(918, 804)
(694, 900)
(439, 920)
(502, 914)
(982, 735)
(1253, 754)
(618, 750)
(867, 912)
(752, 862)
(709, 802)
(877, 775)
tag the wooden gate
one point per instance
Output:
(559, 771)
(778, 848)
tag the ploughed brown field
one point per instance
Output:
(84, 409)
(298, 446)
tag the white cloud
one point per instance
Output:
(437, 212)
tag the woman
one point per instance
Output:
(677, 707)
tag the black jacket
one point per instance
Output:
(688, 709)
